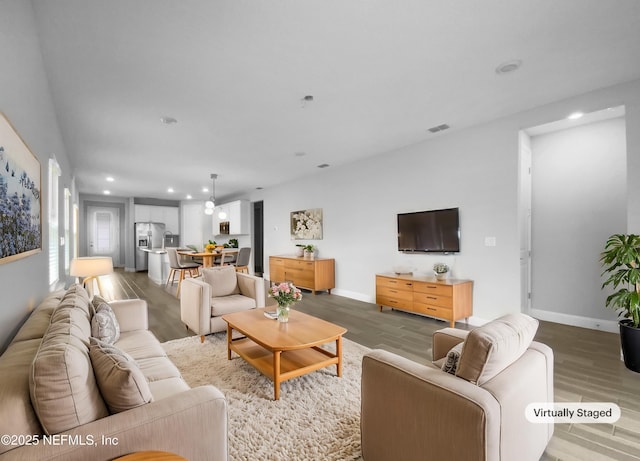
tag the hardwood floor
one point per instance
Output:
(587, 362)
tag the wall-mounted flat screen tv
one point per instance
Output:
(432, 231)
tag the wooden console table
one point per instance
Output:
(313, 274)
(448, 299)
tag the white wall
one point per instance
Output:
(579, 200)
(25, 100)
(475, 169)
(360, 203)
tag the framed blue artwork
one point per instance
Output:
(20, 197)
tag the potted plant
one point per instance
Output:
(299, 249)
(309, 251)
(440, 270)
(621, 262)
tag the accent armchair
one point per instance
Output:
(220, 291)
(475, 411)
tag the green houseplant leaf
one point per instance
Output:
(621, 262)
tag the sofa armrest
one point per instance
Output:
(444, 340)
(195, 305)
(409, 410)
(192, 424)
(253, 287)
(131, 314)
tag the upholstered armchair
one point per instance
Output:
(474, 411)
(220, 291)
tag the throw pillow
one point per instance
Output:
(95, 302)
(493, 347)
(104, 324)
(76, 297)
(121, 382)
(223, 280)
(63, 389)
(450, 364)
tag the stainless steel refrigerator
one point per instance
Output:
(148, 236)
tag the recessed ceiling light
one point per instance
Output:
(204, 189)
(259, 188)
(189, 197)
(106, 192)
(168, 120)
(300, 154)
(575, 115)
(110, 179)
(508, 67)
(170, 190)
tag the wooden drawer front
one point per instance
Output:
(299, 265)
(394, 302)
(394, 283)
(433, 288)
(303, 279)
(276, 274)
(435, 311)
(394, 293)
(276, 261)
(436, 300)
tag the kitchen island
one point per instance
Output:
(158, 268)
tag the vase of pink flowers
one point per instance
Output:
(286, 294)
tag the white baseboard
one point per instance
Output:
(129, 269)
(354, 295)
(610, 326)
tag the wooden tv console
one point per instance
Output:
(448, 299)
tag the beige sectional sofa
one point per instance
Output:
(52, 407)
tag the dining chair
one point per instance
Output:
(177, 266)
(242, 261)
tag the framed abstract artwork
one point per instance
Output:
(306, 224)
(20, 197)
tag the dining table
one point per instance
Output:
(208, 258)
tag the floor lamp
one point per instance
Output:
(91, 267)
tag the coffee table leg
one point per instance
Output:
(276, 375)
(339, 354)
(229, 336)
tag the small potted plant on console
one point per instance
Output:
(621, 262)
(441, 270)
(309, 251)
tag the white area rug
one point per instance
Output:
(316, 418)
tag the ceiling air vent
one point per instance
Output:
(442, 127)
(324, 165)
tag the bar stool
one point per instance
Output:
(181, 268)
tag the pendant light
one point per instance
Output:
(210, 204)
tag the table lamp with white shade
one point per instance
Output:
(91, 267)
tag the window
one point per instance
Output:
(67, 233)
(54, 174)
(103, 233)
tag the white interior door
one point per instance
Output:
(524, 215)
(103, 229)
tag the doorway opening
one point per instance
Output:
(258, 238)
(572, 196)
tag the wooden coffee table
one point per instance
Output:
(282, 351)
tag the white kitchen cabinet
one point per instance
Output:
(142, 213)
(237, 215)
(168, 215)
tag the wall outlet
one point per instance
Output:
(489, 241)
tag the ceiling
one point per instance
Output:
(234, 74)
